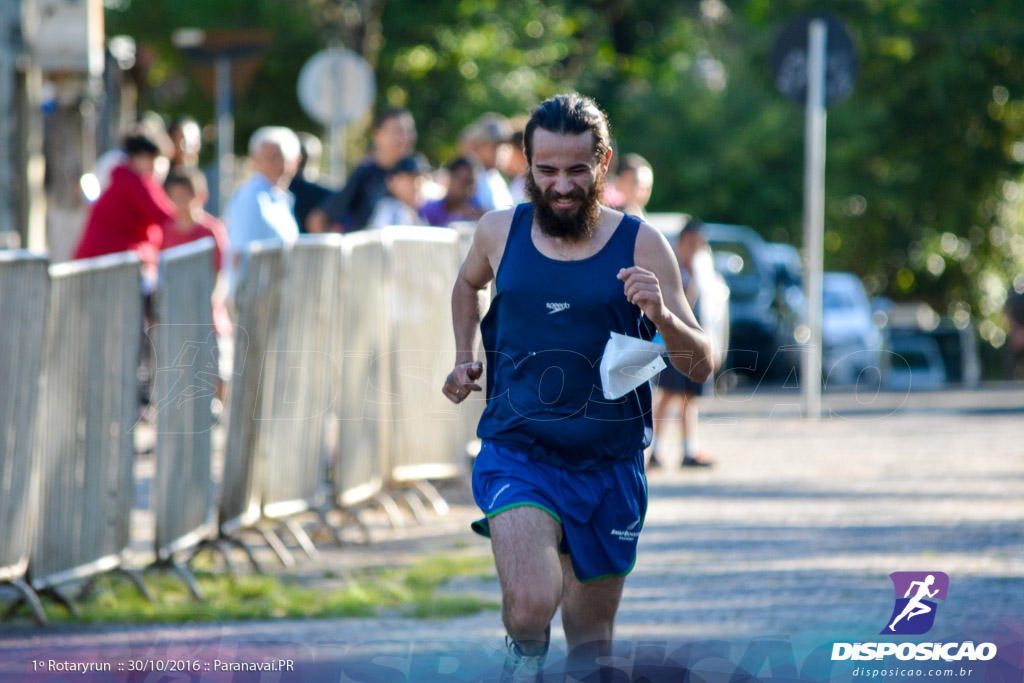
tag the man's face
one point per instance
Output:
(688, 244)
(395, 139)
(271, 162)
(516, 162)
(492, 154)
(564, 183)
(405, 187)
(461, 185)
(150, 165)
(635, 186)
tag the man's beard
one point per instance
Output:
(575, 226)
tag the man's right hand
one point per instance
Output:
(462, 380)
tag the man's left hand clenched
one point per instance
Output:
(642, 288)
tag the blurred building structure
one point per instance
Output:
(21, 164)
(68, 89)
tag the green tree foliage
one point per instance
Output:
(923, 184)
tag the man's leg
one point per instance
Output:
(688, 424)
(662, 402)
(588, 616)
(691, 446)
(525, 543)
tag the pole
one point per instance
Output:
(10, 24)
(336, 140)
(225, 133)
(814, 212)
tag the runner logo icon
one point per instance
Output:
(914, 611)
(913, 615)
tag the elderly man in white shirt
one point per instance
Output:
(261, 209)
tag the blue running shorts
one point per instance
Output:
(601, 511)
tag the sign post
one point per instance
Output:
(814, 64)
(234, 57)
(336, 87)
(814, 212)
(225, 131)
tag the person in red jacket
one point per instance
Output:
(131, 214)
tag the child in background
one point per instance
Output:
(187, 189)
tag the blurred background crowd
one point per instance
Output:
(924, 238)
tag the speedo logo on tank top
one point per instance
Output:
(557, 307)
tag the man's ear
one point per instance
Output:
(607, 161)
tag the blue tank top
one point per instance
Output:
(544, 336)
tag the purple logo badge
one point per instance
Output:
(914, 612)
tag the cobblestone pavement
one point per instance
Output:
(793, 532)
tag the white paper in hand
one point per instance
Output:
(627, 363)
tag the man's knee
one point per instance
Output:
(528, 611)
(595, 627)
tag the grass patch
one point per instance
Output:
(406, 591)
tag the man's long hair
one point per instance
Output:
(569, 114)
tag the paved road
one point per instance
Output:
(793, 534)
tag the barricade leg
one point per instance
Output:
(37, 608)
(187, 577)
(347, 515)
(67, 603)
(416, 507)
(302, 538)
(244, 547)
(182, 572)
(387, 503)
(27, 596)
(225, 553)
(87, 589)
(222, 545)
(322, 523)
(278, 546)
(135, 578)
(432, 496)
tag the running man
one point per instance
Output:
(560, 474)
(915, 607)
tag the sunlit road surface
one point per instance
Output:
(792, 534)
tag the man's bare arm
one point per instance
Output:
(654, 284)
(475, 276)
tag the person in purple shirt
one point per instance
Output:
(459, 204)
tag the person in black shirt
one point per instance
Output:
(308, 193)
(394, 138)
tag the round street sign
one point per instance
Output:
(789, 62)
(336, 86)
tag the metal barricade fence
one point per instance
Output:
(358, 469)
(300, 377)
(10, 239)
(425, 428)
(185, 383)
(24, 300)
(87, 413)
(256, 303)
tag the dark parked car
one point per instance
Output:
(762, 318)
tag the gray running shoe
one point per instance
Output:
(519, 667)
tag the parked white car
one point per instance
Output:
(851, 344)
